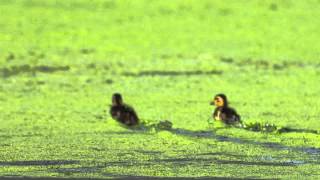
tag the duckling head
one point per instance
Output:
(220, 100)
(117, 99)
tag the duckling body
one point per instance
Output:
(223, 112)
(226, 114)
(122, 112)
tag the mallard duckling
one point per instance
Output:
(223, 112)
(122, 112)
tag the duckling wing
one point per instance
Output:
(115, 112)
(131, 115)
(231, 115)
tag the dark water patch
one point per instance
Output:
(50, 69)
(203, 161)
(273, 7)
(272, 128)
(184, 7)
(128, 163)
(87, 50)
(41, 82)
(5, 145)
(248, 163)
(169, 56)
(13, 177)
(185, 132)
(269, 114)
(99, 117)
(109, 4)
(89, 80)
(278, 67)
(130, 132)
(265, 64)
(123, 133)
(172, 73)
(30, 135)
(228, 60)
(166, 11)
(223, 154)
(280, 160)
(38, 163)
(70, 5)
(119, 20)
(287, 64)
(33, 83)
(91, 66)
(108, 81)
(185, 160)
(5, 136)
(10, 57)
(224, 11)
(166, 56)
(181, 162)
(295, 130)
(107, 67)
(36, 54)
(66, 85)
(149, 152)
(172, 178)
(258, 64)
(85, 170)
(16, 70)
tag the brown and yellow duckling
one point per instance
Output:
(122, 112)
(223, 112)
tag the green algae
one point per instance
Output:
(60, 62)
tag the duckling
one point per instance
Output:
(122, 112)
(223, 112)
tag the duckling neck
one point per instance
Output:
(221, 107)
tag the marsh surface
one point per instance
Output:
(61, 61)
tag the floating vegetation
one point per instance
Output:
(268, 128)
(173, 73)
(16, 70)
(61, 60)
(260, 127)
(154, 126)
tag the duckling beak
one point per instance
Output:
(212, 103)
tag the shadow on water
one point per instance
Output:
(149, 152)
(38, 163)
(132, 132)
(272, 128)
(16, 70)
(187, 178)
(69, 171)
(10, 177)
(115, 176)
(293, 130)
(186, 161)
(267, 64)
(212, 135)
(173, 73)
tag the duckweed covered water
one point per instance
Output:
(60, 62)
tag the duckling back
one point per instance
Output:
(124, 114)
(227, 115)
